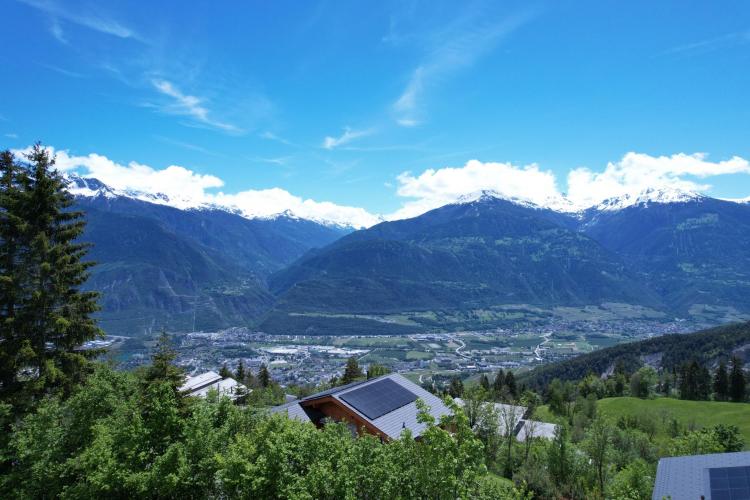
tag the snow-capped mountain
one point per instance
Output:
(554, 203)
(327, 214)
(650, 195)
(565, 205)
(164, 257)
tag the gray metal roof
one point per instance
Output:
(334, 390)
(687, 477)
(194, 383)
(293, 410)
(535, 429)
(199, 385)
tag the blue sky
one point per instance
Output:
(335, 101)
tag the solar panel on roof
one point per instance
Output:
(730, 483)
(376, 399)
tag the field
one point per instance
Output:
(692, 414)
(697, 413)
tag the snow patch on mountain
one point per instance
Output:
(325, 213)
(554, 203)
(651, 195)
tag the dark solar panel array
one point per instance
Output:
(376, 399)
(730, 483)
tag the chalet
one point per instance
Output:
(517, 417)
(200, 385)
(383, 406)
(720, 476)
(535, 429)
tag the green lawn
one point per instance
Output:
(700, 413)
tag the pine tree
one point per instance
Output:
(264, 378)
(162, 367)
(484, 382)
(510, 382)
(49, 317)
(225, 372)
(737, 381)
(352, 371)
(240, 372)
(704, 383)
(456, 388)
(11, 230)
(721, 382)
(498, 383)
(689, 380)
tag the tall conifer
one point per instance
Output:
(46, 316)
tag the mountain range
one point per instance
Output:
(209, 267)
(185, 269)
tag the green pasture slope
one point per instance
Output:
(700, 413)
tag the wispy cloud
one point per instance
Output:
(270, 136)
(188, 145)
(281, 161)
(89, 20)
(453, 48)
(348, 136)
(62, 71)
(191, 106)
(710, 45)
(11, 136)
(56, 30)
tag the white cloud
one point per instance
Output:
(436, 187)
(636, 172)
(76, 16)
(450, 49)
(189, 105)
(57, 31)
(180, 184)
(633, 174)
(348, 136)
(725, 41)
(268, 202)
(185, 188)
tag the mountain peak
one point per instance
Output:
(88, 187)
(650, 195)
(555, 203)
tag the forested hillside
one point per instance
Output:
(670, 351)
(461, 256)
(185, 270)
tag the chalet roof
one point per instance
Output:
(293, 410)
(199, 385)
(535, 429)
(391, 423)
(523, 427)
(715, 477)
(194, 383)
